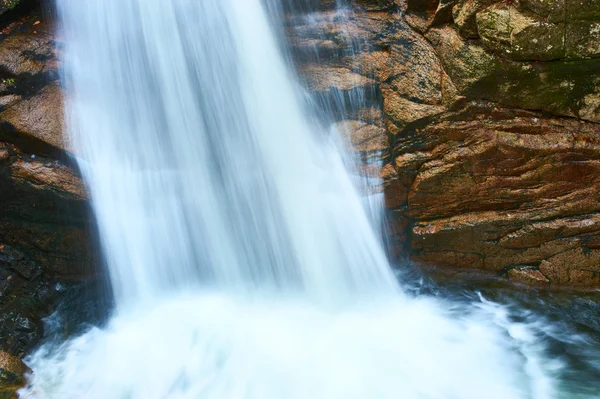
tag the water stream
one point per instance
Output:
(243, 261)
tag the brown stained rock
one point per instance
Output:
(485, 164)
(527, 277)
(28, 53)
(329, 32)
(39, 118)
(466, 63)
(423, 15)
(325, 79)
(578, 267)
(401, 111)
(45, 213)
(501, 190)
(379, 47)
(362, 137)
(44, 174)
(12, 374)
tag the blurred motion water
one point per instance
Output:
(243, 261)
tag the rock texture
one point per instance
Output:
(7, 5)
(46, 232)
(12, 375)
(484, 115)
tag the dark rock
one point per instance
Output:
(47, 233)
(7, 5)
(565, 88)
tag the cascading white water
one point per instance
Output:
(200, 163)
(243, 263)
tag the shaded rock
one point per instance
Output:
(421, 6)
(379, 5)
(422, 15)
(6, 5)
(551, 11)
(583, 39)
(26, 53)
(582, 10)
(566, 88)
(45, 213)
(466, 63)
(464, 15)
(520, 36)
(22, 327)
(37, 120)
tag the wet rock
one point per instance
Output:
(363, 137)
(527, 276)
(326, 79)
(380, 58)
(501, 190)
(14, 260)
(46, 215)
(12, 375)
(22, 328)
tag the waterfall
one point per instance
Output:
(202, 167)
(243, 262)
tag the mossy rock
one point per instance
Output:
(520, 35)
(464, 14)
(583, 10)
(583, 39)
(6, 5)
(550, 11)
(558, 87)
(561, 87)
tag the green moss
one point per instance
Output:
(6, 5)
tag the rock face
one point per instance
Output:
(487, 116)
(12, 375)
(46, 230)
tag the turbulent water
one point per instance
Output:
(243, 261)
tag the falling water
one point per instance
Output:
(242, 259)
